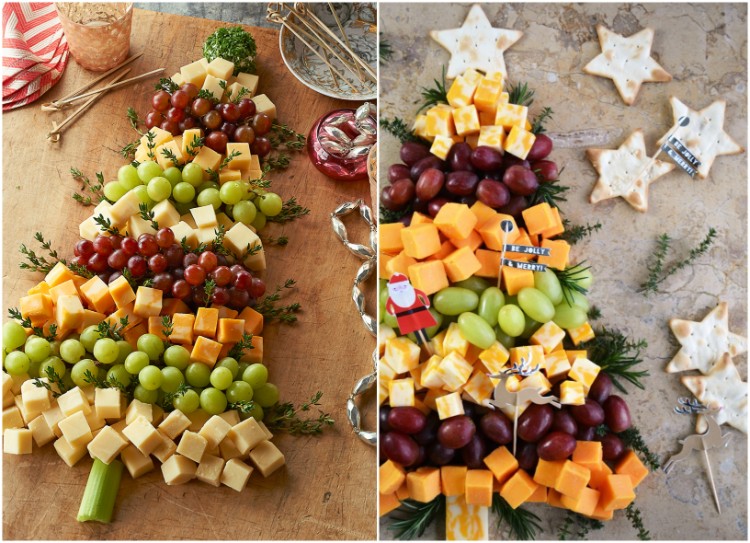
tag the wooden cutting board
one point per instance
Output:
(327, 490)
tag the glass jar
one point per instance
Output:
(334, 145)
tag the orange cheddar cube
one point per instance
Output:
(532, 354)
(453, 479)
(387, 503)
(206, 321)
(156, 327)
(548, 336)
(482, 212)
(487, 118)
(490, 262)
(418, 218)
(390, 237)
(37, 307)
(429, 276)
(510, 115)
(554, 499)
(547, 472)
(600, 513)
(455, 221)
(588, 454)
(538, 218)
(40, 288)
(255, 354)
(230, 330)
(581, 334)
(446, 248)
(125, 312)
(616, 492)
(479, 487)
(383, 259)
(494, 358)
(501, 463)
(575, 355)
(473, 242)
(134, 332)
(466, 120)
(557, 228)
(461, 264)
(66, 287)
(147, 302)
(424, 484)
(558, 255)
(253, 321)
(515, 279)
(420, 241)
(519, 488)
(391, 477)
(584, 503)
(598, 476)
(58, 274)
(403, 491)
(96, 295)
(182, 328)
(90, 318)
(170, 306)
(227, 313)
(631, 465)
(121, 292)
(205, 351)
(399, 264)
(488, 93)
(493, 235)
(539, 495)
(572, 479)
(584, 371)
(572, 393)
(440, 121)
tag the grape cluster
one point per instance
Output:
(163, 262)
(500, 181)
(222, 123)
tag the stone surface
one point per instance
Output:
(252, 14)
(704, 47)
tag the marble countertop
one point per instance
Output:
(704, 47)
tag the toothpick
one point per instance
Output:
(422, 336)
(515, 426)
(343, 35)
(502, 255)
(711, 480)
(112, 86)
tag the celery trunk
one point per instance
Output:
(101, 491)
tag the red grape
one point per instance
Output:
(456, 432)
(200, 107)
(612, 446)
(617, 414)
(118, 259)
(174, 255)
(493, 193)
(157, 263)
(428, 434)
(153, 118)
(207, 261)
(238, 298)
(486, 158)
(386, 200)
(461, 183)
(103, 245)
(217, 141)
(190, 89)
(163, 282)
(459, 157)
(429, 184)
(520, 180)
(231, 112)
(400, 448)
(261, 124)
(497, 427)
(473, 453)
(408, 420)
(516, 205)
(396, 172)
(546, 170)
(164, 237)
(175, 115)
(601, 388)
(556, 446)
(170, 127)
(257, 288)
(198, 295)
(129, 246)
(178, 272)
(212, 119)
(147, 245)
(195, 275)
(97, 263)
(220, 296)
(243, 280)
(179, 99)
(187, 123)
(535, 422)
(137, 266)
(564, 422)
(84, 248)
(588, 414)
(541, 148)
(116, 241)
(434, 206)
(243, 134)
(440, 455)
(222, 276)
(79, 260)
(247, 108)
(402, 192)
(189, 259)
(412, 152)
(261, 146)
(160, 101)
(180, 289)
(527, 456)
(421, 165)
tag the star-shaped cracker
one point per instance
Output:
(626, 172)
(704, 135)
(476, 44)
(626, 61)
(703, 343)
(722, 387)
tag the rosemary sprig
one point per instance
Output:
(285, 418)
(134, 120)
(95, 189)
(53, 379)
(208, 291)
(520, 94)
(617, 356)
(570, 280)
(112, 331)
(632, 438)
(436, 95)
(576, 232)
(634, 516)
(166, 84)
(148, 216)
(40, 263)
(105, 225)
(594, 313)
(267, 305)
(550, 192)
(385, 50)
(398, 129)
(522, 524)
(537, 125)
(413, 518)
(290, 211)
(245, 344)
(656, 271)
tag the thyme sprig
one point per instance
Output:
(285, 418)
(243, 406)
(112, 331)
(208, 95)
(583, 525)
(59, 387)
(520, 94)
(95, 190)
(239, 348)
(617, 356)
(129, 150)
(134, 120)
(576, 232)
(166, 84)
(151, 144)
(385, 50)
(413, 517)
(14, 313)
(270, 240)
(570, 279)
(195, 146)
(286, 313)
(218, 242)
(213, 175)
(435, 95)
(167, 329)
(634, 516)
(632, 438)
(522, 524)
(283, 136)
(40, 263)
(398, 129)
(208, 291)
(105, 225)
(167, 401)
(656, 267)
(170, 156)
(148, 216)
(537, 125)
(279, 161)
(240, 95)
(290, 211)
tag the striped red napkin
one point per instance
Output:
(35, 51)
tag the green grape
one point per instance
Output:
(490, 302)
(256, 412)
(241, 367)
(150, 377)
(270, 204)
(529, 327)
(17, 363)
(148, 170)
(548, 283)
(172, 378)
(151, 345)
(207, 185)
(128, 177)
(390, 320)
(13, 335)
(266, 395)
(192, 173)
(183, 192)
(159, 189)
(37, 349)
(54, 362)
(142, 192)
(259, 222)
(106, 350)
(198, 374)
(255, 375)
(177, 356)
(506, 340)
(67, 381)
(187, 402)
(536, 305)
(213, 401)
(221, 378)
(78, 372)
(88, 338)
(432, 330)
(231, 192)
(135, 362)
(124, 349)
(476, 330)
(183, 208)
(578, 300)
(231, 364)
(209, 197)
(581, 275)
(71, 350)
(569, 317)
(144, 395)
(173, 175)
(474, 283)
(34, 369)
(455, 300)
(118, 374)
(511, 320)
(114, 190)
(239, 391)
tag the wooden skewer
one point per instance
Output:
(114, 85)
(343, 35)
(711, 480)
(57, 129)
(60, 102)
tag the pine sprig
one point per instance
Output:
(285, 418)
(632, 438)
(267, 305)
(617, 356)
(537, 125)
(520, 94)
(656, 266)
(413, 517)
(550, 192)
(398, 129)
(576, 232)
(634, 516)
(290, 211)
(95, 190)
(148, 216)
(239, 348)
(39, 263)
(435, 95)
(522, 524)
(570, 279)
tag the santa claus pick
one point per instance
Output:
(410, 306)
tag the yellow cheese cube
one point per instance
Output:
(169, 154)
(12, 418)
(242, 158)
(581, 334)
(510, 115)
(430, 377)
(249, 81)
(240, 239)
(454, 341)
(492, 136)
(536, 381)
(420, 126)
(533, 355)
(75, 429)
(479, 387)
(401, 392)
(35, 398)
(402, 354)
(135, 461)
(194, 73)
(215, 430)
(143, 435)
(96, 294)
(440, 122)
(159, 137)
(584, 371)
(556, 365)
(461, 92)
(449, 405)
(519, 142)
(441, 146)
(494, 358)
(548, 336)
(208, 159)
(138, 226)
(267, 458)
(37, 307)
(40, 431)
(70, 454)
(68, 312)
(178, 470)
(53, 416)
(420, 241)
(17, 441)
(67, 287)
(572, 393)
(165, 214)
(215, 86)
(488, 93)
(147, 302)
(190, 140)
(466, 120)
(220, 68)
(106, 445)
(454, 371)
(264, 105)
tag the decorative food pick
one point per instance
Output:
(507, 227)
(711, 439)
(626, 61)
(626, 172)
(703, 343)
(703, 135)
(411, 307)
(724, 387)
(476, 44)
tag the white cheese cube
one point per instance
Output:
(137, 409)
(454, 341)
(94, 421)
(119, 426)
(26, 415)
(249, 81)
(492, 136)
(7, 386)
(188, 137)
(383, 390)
(246, 435)
(41, 431)
(53, 416)
(572, 393)
(264, 105)
(215, 86)
(208, 159)
(108, 403)
(192, 446)
(70, 454)
(220, 68)
(143, 435)
(165, 214)
(238, 239)
(401, 392)
(18, 380)
(210, 469)
(36, 398)
(402, 354)
(136, 462)
(148, 302)
(174, 424)
(138, 226)
(243, 156)
(182, 231)
(232, 416)
(384, 334)
(449, 405)
(223, 220)
(430, 376)
(166, 449)
(265, 429)
(12, 418)
(178, 80)
(17, 441)
(206, 234)
(215, 430)
(197, 419)
(519, 142)
(454, 370)
(194, 73)
(267, 458)
(229, 450)
(76, 430)
(235, 474)
(124, 208)
(441, 146)
(204, 216)
(178, 470)
(107, 444)
(161, 136)
(234, 90)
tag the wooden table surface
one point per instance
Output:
(327, 490)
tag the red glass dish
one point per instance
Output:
(335, 167)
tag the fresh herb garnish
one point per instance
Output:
(267, 305)
(522, 524)
(385, 50)
(129, 150)
(617, 356)
(14, 313)
(52, 379)
(195, 146)
(105, 225)
(398, 129)
(148, 216)
(576, 232)
(387, 216)
(233, 44)
(134, 120)
(208, 95)
(550, 192)
(583, 525)
(240, 95)
(279, 161)
(167, 328)
(520, 94)
(112, 331)
(537, 125)
(290, 211)
(208, 291)
(218, 242)
(283, 136)
(570, 279)
(632, 438)
(413, 518)
(285, 418)
(239, 348)
(150, 143)
(170, 156)
(634, 516)
(656, 268)
(95, 189)
(243, 406)
(166, 84)
(594, 313)
(434, 96)
(167, 401)
(38, 263)
(213, 175)
(280, 241)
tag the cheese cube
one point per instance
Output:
(234, 90)
(455, 221)
(108, 403)
(454, 370)
(584, 371)
(178, 470)
(143, 435)
(165, 214)
(205, 351)
(488, 93)
(458, 512)
(581, 334)
(169, 154)
(208, 159)
(632, 466)
(177, 78)
(96, 294)
(584, 503)
(399, 264)
(136, 409)
(429, 277)
(121, 292)
(210, 469)
(536, 381)
(454, 341)
(572, 479)
(492, 136)
(192, 445)
(390, 476)
(215, 86)
(182, 231)
(461, 92)
(147, 302)
(423, 484)
(495, 357)
(69, 454)
(501, 463)
(441, 146)
(466, 120)
(236, 474)
(194, 73)
(556, 366)
(401, 392)
(247, 435)
(239, 239)
(53, 416)
(249, 81)
(519, 142)
(440, 122)
(266, 458)
(35, 398)
(430, 377)
(449, 405)
(479, 487)
(572, 393)
(138, 226)
(160, 136)
(402, 354)
(548, 336)
(479, 388)
(510, 115)
(461, 264)
(174, 424)
(27, 415)
(420, 126)
(242, 160)
(94, 421)
(67, 287)
(215, 430)
(204, 216)
(220, 68)
(165, 450)
(106, 445)
(124, 208)
(229, 450)
(12, 418)
(75, 429)
(136, 462)
(73, 401)
(559, 251)
(420, 241)
(264, 105)
(40, 431)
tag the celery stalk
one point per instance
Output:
(100, 493)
